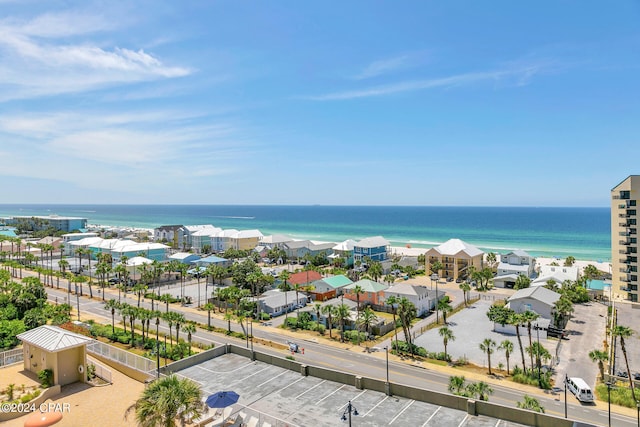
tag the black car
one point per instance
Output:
(623, 374)
(636, 376)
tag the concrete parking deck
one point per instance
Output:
(281, 397)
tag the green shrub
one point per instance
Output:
(46, 377)
(620, 395)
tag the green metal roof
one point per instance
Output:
(336, 281)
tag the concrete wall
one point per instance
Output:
(68, 362)
(47, 393)
(193, 360)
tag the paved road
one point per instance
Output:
(357, 362)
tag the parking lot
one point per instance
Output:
(281, 397)
(629, 315)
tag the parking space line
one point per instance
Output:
(289, 385)
(271, 379)
(401, 412)
(304, 392)
(432, 415)
(498, 423)
(375, 406)
(255, 373)
(345, 405)
(463, 420)
(332, 393)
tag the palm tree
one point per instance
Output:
(516, 320)
(375, 270)
(531, 403)
(529, 317)
(170, 319)
(599, 356)
(466, 288)
(447, 335)
(444, 307)
(482, 390)
(112, 305)
(507, 346)
(330, 311)
(342, 313)
(167, 400)
(179, 319)
(522, 282)
(366, 319)
(407, 312)
(189, 328)
(623, 332)
(209, 307)
(487, 347)
(456, 384)
(357, 290)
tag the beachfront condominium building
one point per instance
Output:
(456, 257)
(624, 238)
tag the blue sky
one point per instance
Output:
(499, 103)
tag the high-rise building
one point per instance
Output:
(624, 238)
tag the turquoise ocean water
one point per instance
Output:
(581, 232)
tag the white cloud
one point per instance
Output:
(377, 68)
(522, 75)
(40, 58)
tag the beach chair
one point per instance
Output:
(253, 422)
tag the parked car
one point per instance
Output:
(623, 374)
(636, 376)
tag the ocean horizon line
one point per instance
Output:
(310, 205)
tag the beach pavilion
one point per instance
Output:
(62, 351)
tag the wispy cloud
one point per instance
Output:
(39, 59)
(384, 66)
(520, 76)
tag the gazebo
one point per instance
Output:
(62, 351)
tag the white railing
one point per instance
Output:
(101, 371)
(121, 356)
(10, 357)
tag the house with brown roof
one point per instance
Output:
(304, 278)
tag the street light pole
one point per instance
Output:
(566, 381)
(157, 347)
(386, 349)
(78, 301)
(350, 408)
(538, 355)
(608, 384)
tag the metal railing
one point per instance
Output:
(101, 371)
(121, 356)
(10, 357)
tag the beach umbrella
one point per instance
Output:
(222, 399)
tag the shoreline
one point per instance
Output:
(410, 250)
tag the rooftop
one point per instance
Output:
(53, 338)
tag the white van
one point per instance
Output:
(580, 388)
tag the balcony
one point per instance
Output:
(625, 279)
(624, 288)
(624, 242)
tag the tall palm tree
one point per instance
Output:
(284, 287)
(516, 320)
(447, 335)
(179, 319)
(529, 317)
(465, 287)
(487, 346)
(112, 305)
(357, 290)
(444, 307)
(330, 311)
(342, 313)
(507, 346)
(623, 332)
(599, 356)
(168, 401)
(209, 307)
(407, 312)
(189, 328)
(375, 270)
